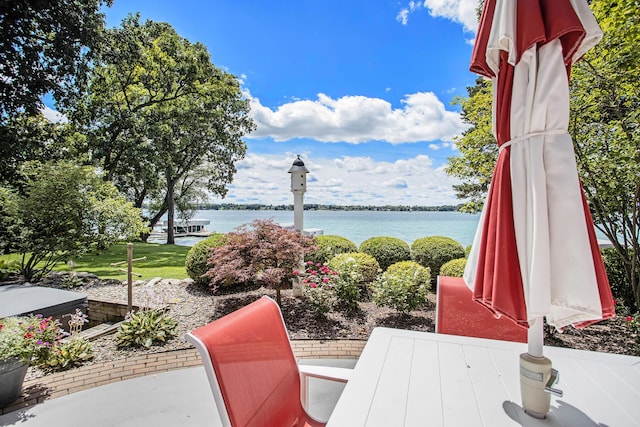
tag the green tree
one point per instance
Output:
(45, 47)
(477, 145)
(66, 211)
(160, 117)
(604, 125)
(32, 138)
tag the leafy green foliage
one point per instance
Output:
(196, 259)
(317, 286)
(71, 281)
(453, 268)
(46, 48)
(328, 246)
(145, 328)
(161, 120)
(403, 287)
(69, 354)
(386, 250)
(262, 253)
(422, 275)
(8, 267)
(67, 210)
(477, 145)
(434, 251)
(367, 265)
(621, 289)
(347, 284)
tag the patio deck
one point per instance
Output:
(53, 388)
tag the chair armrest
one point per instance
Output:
(330, 373)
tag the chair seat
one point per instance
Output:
(252, 370)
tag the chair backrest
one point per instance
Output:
(251, 367)
(458, 314)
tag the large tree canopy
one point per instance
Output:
(605, 127)
(44, 47)
(157, 113)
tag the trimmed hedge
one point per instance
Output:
(403, 287)
(620, 286)
(386, 250)
(329, 246)
(196, 260)
(453, 268)
(434, 251)
(367, 265)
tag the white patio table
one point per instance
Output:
(407, 378)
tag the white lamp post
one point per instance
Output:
(298, 187)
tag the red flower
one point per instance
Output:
(629, 318)
(296, 272)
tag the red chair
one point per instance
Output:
(458, 314)
(252, 370)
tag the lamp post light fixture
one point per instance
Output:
(298, 173)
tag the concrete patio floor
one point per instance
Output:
(162, 389)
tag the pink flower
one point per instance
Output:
(296, 272)
(309, 262)
(313, 285)
(629, 318)
(325, 280)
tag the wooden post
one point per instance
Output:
(129, 277)
(130, 273)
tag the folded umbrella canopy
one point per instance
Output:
(535, 252)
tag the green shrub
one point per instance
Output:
(328, 246)
(403, 287)
(434, 251)
(421, 274)
(9, 267)
(368, 267)
(620, 286)
(453, 268)
(386, 250)
(317, 286)
(196, 259)
(69, 354)
(71, 281)
(145, 328)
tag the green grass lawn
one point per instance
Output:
(166, 261)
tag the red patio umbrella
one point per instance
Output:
(535, 252)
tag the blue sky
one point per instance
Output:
(362, 90)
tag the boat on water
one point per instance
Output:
(191, 228)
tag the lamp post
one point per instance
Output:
(298, 173)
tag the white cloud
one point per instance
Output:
(459, 11)
(344, 181)
(53, 116)
(357, 119)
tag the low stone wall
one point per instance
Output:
(106, 311)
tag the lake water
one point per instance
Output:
(356, 226)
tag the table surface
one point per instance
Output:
(408, 378)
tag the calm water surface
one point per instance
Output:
(356, 226)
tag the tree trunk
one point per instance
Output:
(170, 212)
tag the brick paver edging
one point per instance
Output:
(85, 377)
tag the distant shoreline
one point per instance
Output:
(321, 207)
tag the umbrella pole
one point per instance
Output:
(535, 337)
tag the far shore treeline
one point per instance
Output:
(320, 207)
